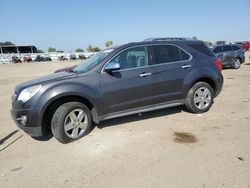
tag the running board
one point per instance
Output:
(142, 109)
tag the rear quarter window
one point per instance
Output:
(184, 55)
(235, 47)
(217, 49)
(201, 47)
(227, 48)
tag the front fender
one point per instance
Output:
(52, 92)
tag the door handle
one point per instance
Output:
(145, 74)
(186, 66)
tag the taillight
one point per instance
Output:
(218, 64)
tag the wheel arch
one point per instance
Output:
(239, 59)
(208, 80)
(51, 107)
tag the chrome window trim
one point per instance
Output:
(147, 45)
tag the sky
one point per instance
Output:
(70, 24)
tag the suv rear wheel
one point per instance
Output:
(71, 121)
(200, 97)
(236, 63)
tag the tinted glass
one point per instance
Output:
(217, 49)
(201, 47)
(25, 49)
(227, 48)
(184, 55)
(166, 54)
(235, 47)
(10, 49)
(132, 58)
(91, 62)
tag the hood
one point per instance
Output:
(45, 79)
(66, 69)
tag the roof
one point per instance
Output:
(16, 46)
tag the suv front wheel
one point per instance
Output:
(71, 121)
(200, 97)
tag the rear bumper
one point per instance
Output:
(25, 119)
(219, 86)
(243, 59)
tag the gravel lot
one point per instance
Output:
(166, 148)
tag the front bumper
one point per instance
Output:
(19, 113)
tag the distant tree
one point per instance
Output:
(194, 37)
(6, 43)
(79, 50)
(51, 49)
(96, 49)
(40, 51)
(89, 48)
(109, 43)
(59, 51)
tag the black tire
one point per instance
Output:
(191, 105)
(236, 63)
(59, 118)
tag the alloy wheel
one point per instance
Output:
(76, 123)
(202, 98)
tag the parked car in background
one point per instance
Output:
(16, 59)
(27, 59)
(244, 45)
(231, 55)
(62, 58)
(82, 57)
(220, 42)
(72, 57)
(47, 58)
(40, 58)
(119, 81)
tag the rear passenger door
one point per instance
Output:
(228, 54)
(219, 53)
(170, 65)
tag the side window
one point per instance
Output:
(236, 47)
(217, 49)
(227, 48)
(184, 55)
(167, 54)
(132, 58)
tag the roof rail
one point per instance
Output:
(167, 39)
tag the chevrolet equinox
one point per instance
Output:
(132, 78)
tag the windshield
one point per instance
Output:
(90, 63)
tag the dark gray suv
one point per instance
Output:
(231, 55)
(120, 81)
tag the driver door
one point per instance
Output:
(131, 86)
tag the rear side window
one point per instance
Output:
(235, 47)
(217, 49)
(227, 48)
(168, 53)
(201, 47)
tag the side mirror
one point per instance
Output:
(112, 66)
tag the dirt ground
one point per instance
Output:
(165, 148)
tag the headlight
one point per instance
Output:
(28, 93)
